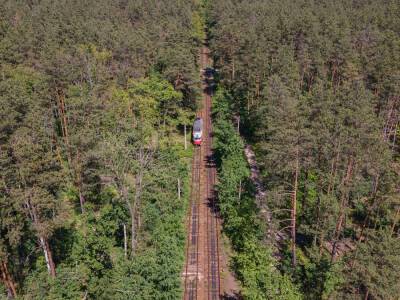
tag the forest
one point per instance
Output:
(94, 96)
(314, 88)
(96, 103)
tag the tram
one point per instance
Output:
(197, 131)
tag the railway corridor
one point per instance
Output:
(202, 269)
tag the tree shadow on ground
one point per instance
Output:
(234, 296)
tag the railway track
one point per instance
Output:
(202, 275)
(192, 250)
(212, 219)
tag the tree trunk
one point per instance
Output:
(133, 231)
(396, 217)
(138, 195)
(333, 77)
(48, 256)
(44, 244)
(394, 137)
(258, 87)
(342, 208)
(184, 126)
(366, 295)
(64, 123)
(240, 189)
(310, 82)
(179, 189)
(134, 209)
(64, 128)
(79, 182)
(371, 209)
(131, 209)
(391, 121)
(233, 68)
(294, 204)
(332, 176)
(318, 220)
(321, 242)
(125, 241)
(7, 280)
(81, 200)
(248, 103)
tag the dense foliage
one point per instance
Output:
(316, 85)
(93, 95)
(252, 262)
